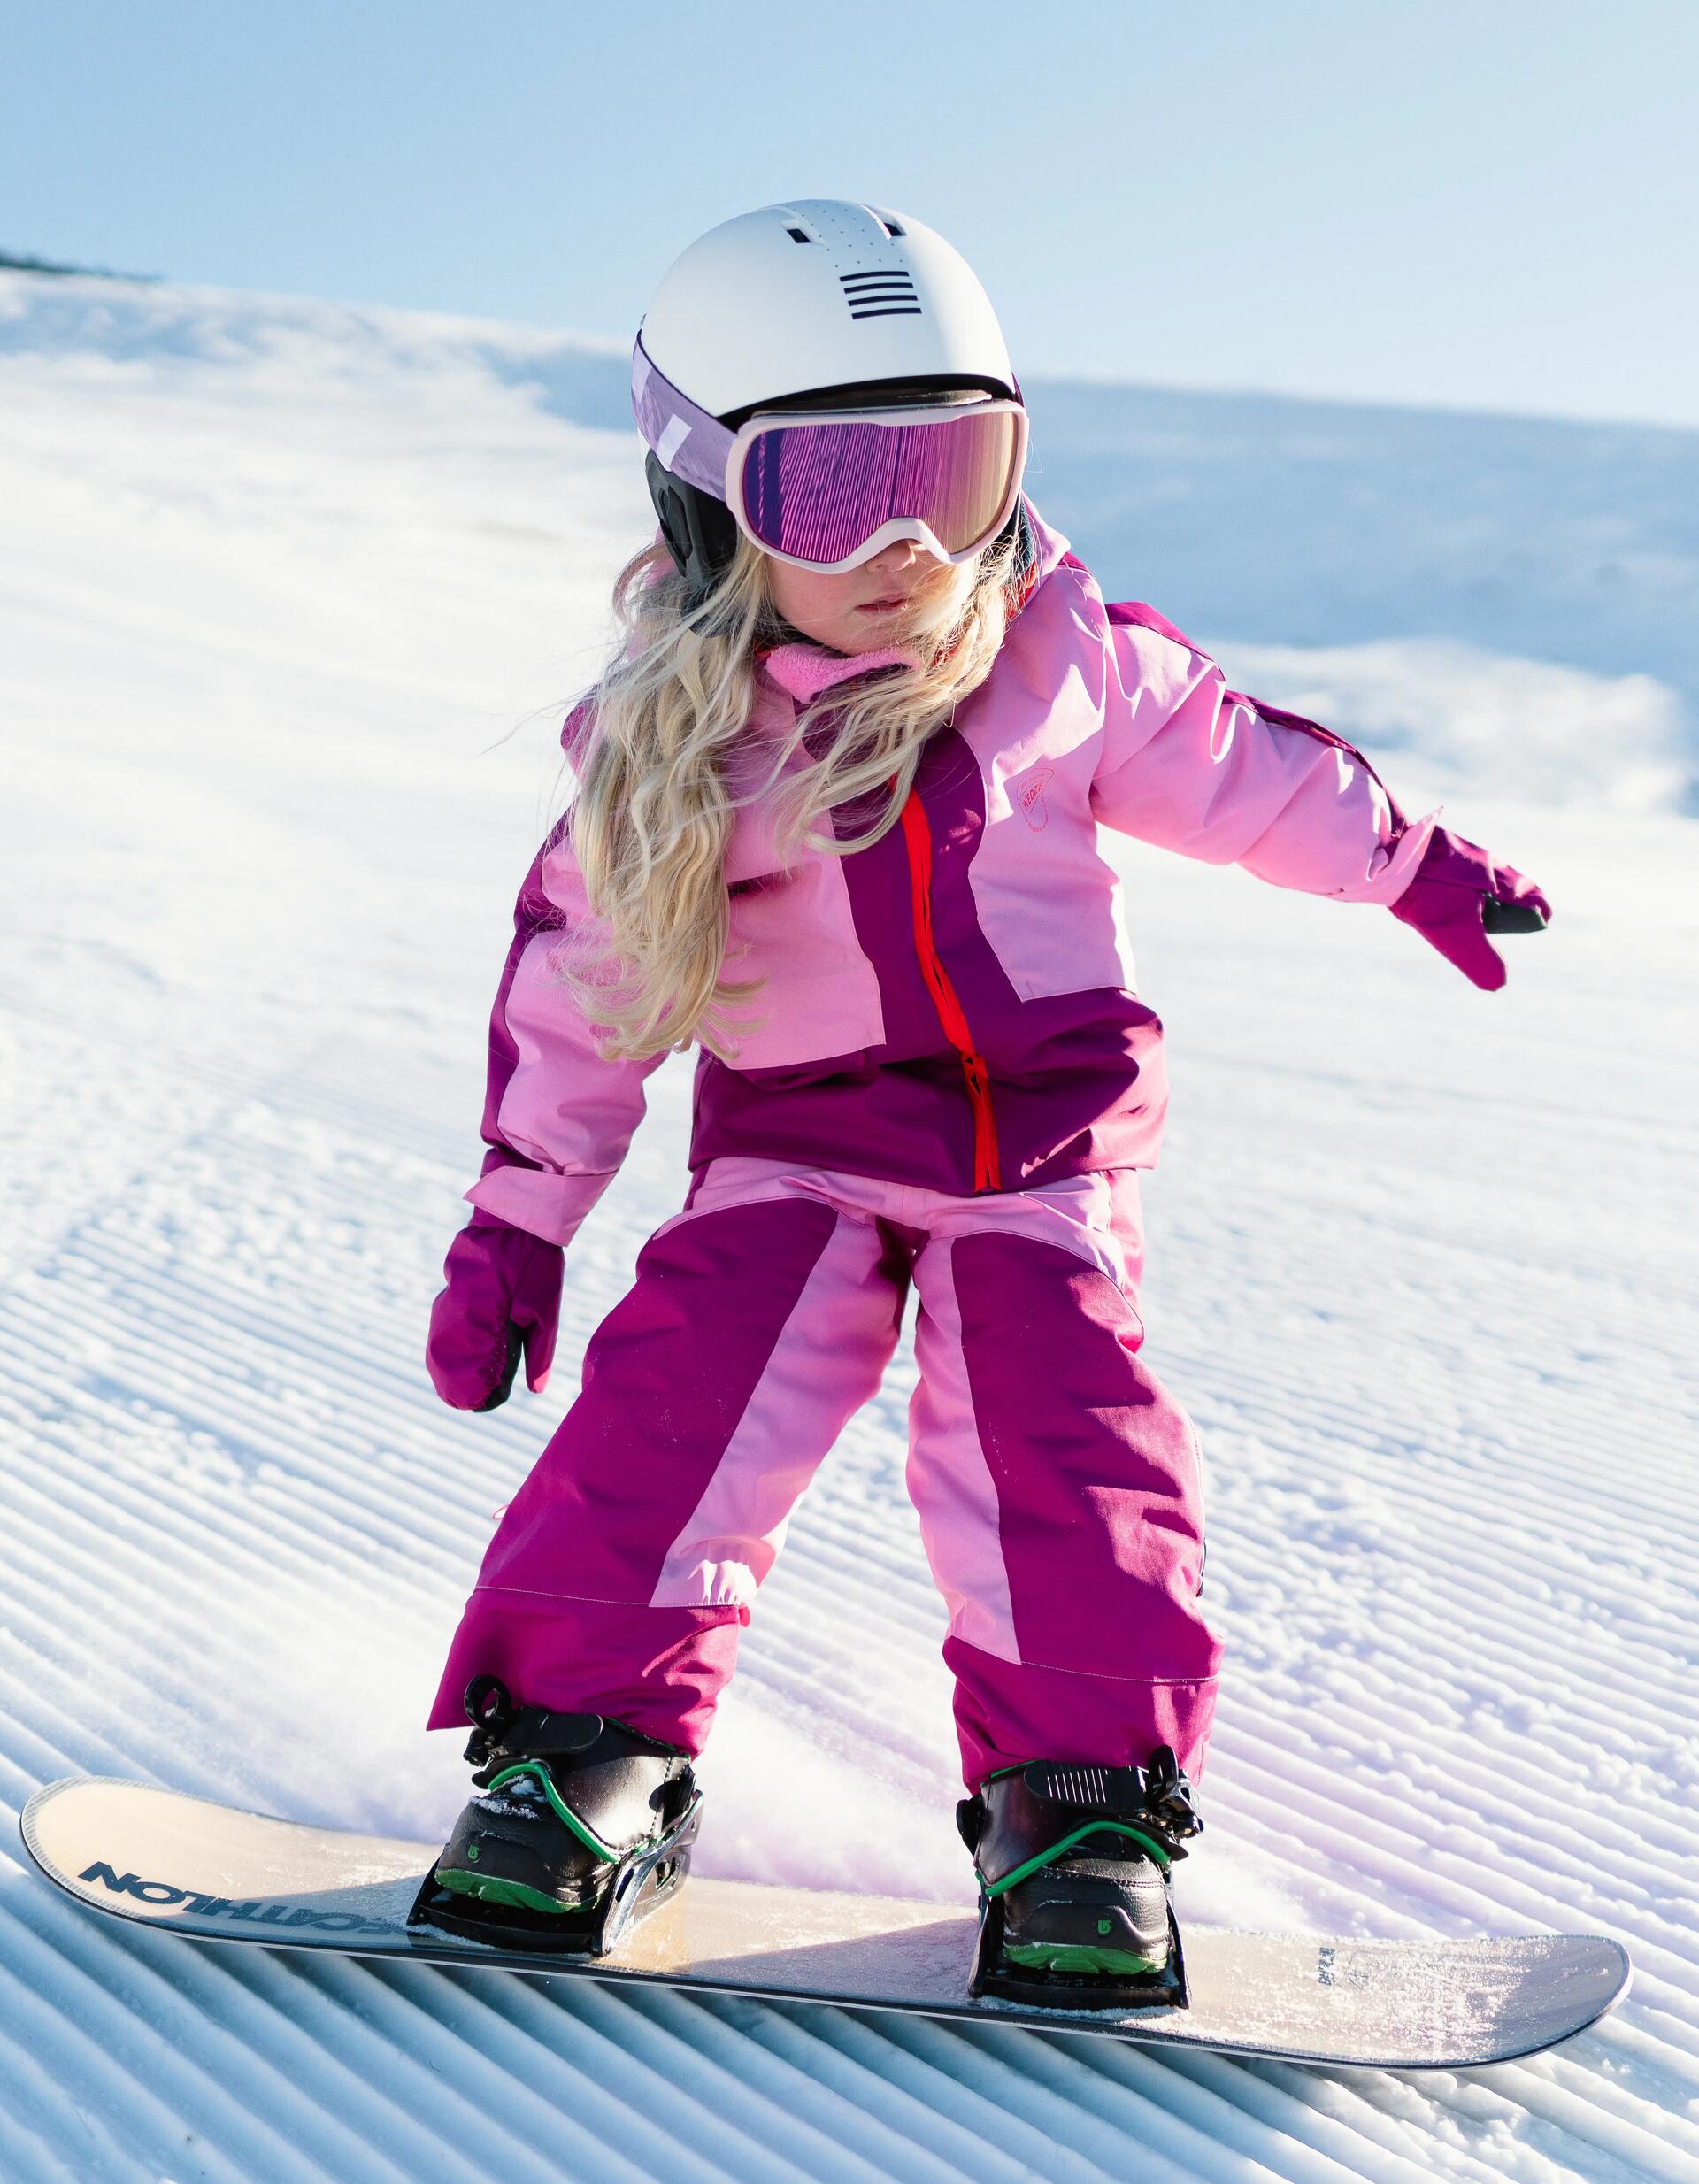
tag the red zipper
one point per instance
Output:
(917, 837)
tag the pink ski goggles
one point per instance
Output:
(830, 488)
(827, 489)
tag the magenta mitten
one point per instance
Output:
(503, 1298)
(1446, 902)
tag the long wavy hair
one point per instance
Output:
(664, 769)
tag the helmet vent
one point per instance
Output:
(890, 226)
(799, 234)
(880, 295)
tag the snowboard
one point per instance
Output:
(184, 1866)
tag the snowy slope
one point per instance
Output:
(288, 599)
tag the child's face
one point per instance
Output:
(858, 610)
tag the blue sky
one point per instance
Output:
(1492, 203)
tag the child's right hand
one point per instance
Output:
(502, 1299)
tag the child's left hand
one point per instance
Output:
(1447, 900)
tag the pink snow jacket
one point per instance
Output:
(953, 1007)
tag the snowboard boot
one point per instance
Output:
(582, 1826)
(1072, 1864)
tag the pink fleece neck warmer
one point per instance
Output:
(805, 670)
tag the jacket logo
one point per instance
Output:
(1029, 796)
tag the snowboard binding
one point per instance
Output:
(582, 1827)
(1073, 1864)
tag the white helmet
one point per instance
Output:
(821, 293)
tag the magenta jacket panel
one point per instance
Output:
(1094, 716)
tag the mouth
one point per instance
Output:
(885, 605)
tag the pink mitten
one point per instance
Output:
(1459, 895)
(503, 1298)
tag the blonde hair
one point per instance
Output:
(658, 797)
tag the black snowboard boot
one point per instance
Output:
(1074, 1867)
(581, 1826)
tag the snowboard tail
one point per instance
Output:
(154, 1858)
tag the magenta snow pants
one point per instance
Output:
(1056, 1481)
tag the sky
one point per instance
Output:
(1492, 203)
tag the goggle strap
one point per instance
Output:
(689, 443)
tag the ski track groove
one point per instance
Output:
(643, 2063)
(1578, 2111)
(1435, 1327)
(1005, 2145)
(1071, 2087)
(44, 2061)
(1396, 1821)
(104, 2031)
(465, 2062)
(1309, 2113)
(733, 2034)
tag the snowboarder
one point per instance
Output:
(836, 825)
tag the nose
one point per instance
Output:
(901, 553)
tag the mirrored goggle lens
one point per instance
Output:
(820, 491)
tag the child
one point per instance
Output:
(836, 825)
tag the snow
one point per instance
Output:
(290, 599)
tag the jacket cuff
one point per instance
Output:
(538, 1200)
(1398, 865)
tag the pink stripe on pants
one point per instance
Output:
(1057, 1482)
